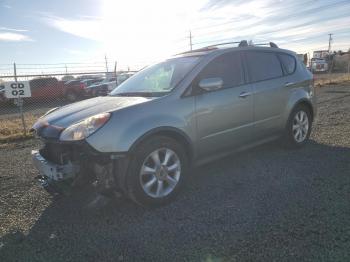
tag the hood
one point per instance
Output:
(73, 113)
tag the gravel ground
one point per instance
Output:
(266, 204)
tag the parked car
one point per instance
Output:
(190, 109)
(76, 89)
(101, 88)
(319, 65)
(41, 89)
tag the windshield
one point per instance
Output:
(158, 79)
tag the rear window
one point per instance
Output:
(288, 63)
(263, 66)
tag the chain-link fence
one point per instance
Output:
(54, 85)
(50, 86)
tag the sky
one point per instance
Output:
(135, 33)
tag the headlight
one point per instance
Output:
(85, 128)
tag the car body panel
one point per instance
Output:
(178, 114)
(224, 119)
(73, 113)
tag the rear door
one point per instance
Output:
(224, 117)
(270, 95)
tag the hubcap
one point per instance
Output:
(300, 126)
(160, 173)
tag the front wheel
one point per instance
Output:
(298, 128)
(157, 171)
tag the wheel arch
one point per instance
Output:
(171, 132)
(307, 104)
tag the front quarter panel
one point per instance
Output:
(126, 126)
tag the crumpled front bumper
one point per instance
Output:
(54, 178)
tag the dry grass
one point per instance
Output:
(11, 127)
(334, 78)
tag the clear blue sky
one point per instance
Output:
(135, 32)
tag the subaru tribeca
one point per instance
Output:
(187, 110)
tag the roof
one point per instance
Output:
(228, 45)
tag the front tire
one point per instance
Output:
(157, 171)
(298, 128)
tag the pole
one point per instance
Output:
(20, 102)
(115, 68)
(191, 45)
(330, 42)
(66, 69)
(106, 63)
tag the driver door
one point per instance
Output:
(225, 116)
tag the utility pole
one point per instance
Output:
(115, 68)
(66, 68)
(191, 45)
(330, 42)
(106, 63)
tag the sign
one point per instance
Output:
(17, 89)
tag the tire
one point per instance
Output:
(291, 137)
(142, 187)
(71, 96)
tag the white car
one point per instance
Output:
(319, 65)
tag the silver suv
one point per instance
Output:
(192, 108)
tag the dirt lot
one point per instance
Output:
(267, 204)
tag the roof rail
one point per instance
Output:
(271, 44)
(242, 43)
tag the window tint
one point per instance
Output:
(228, 67)
(288, 62)
(263, 65)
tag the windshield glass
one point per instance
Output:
(158, 79)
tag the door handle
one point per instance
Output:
(244, 94)
(287, 84)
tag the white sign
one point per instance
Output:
(17, 89)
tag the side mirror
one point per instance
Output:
(211, 84)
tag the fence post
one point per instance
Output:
(20, 102)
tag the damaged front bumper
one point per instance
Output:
(55, 178)
(66, 166)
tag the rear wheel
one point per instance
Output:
(157, 171)
(298, 128)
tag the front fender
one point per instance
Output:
(127, 126)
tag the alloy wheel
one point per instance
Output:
(160, 173)
(300, 126)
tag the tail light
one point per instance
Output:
(82, 86)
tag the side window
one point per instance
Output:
(228, 67)
(263, 66)
(288, 63)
